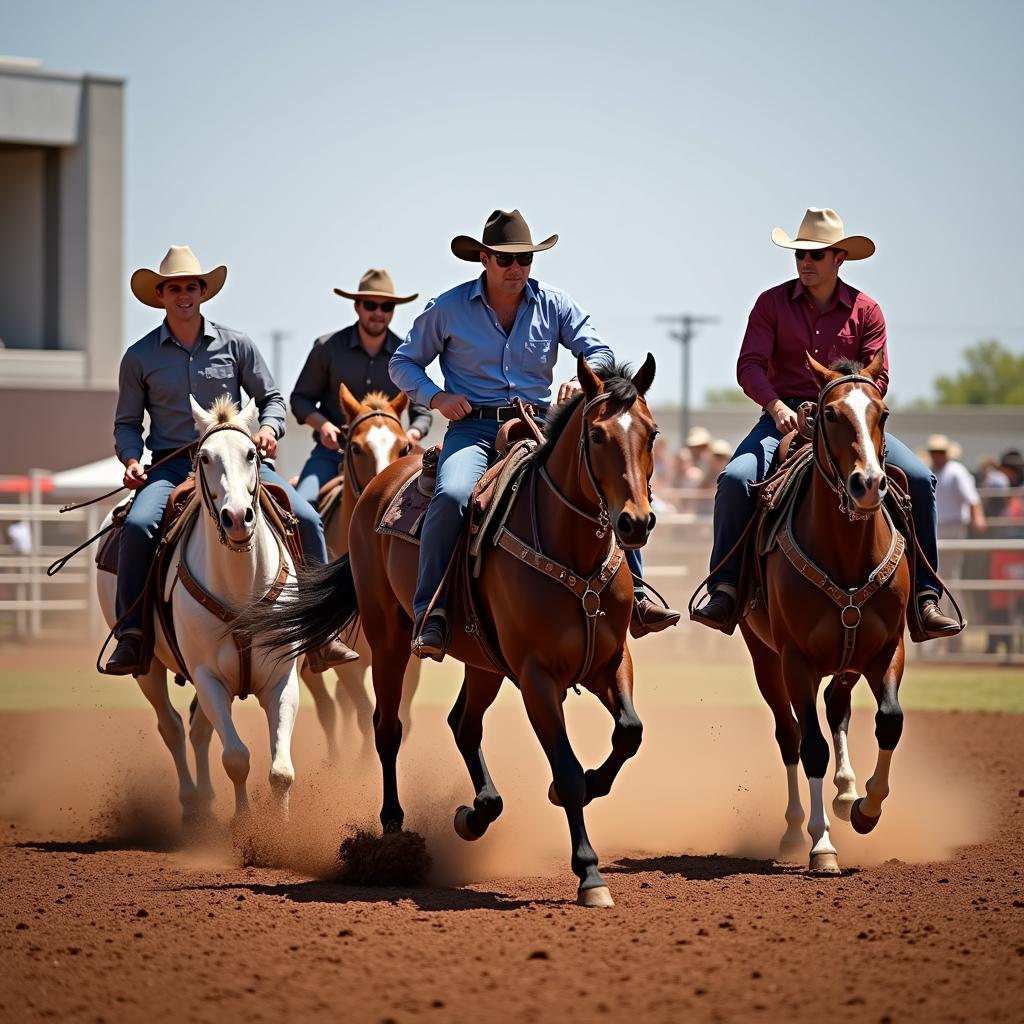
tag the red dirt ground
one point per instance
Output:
(106, 917)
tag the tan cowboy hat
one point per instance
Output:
(937, 443)
(503, 232)
(376, 284)
(698, 437)
(721, 448)
(180, 261)
(823, 229)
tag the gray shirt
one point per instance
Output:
(158, 374)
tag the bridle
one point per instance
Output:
(829, 470)
(204, 487)
(348, 464)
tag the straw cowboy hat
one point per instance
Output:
(503, 232)
(823, 229)
(937, 443)
(376, 284)
(698, 437)
(180, 261)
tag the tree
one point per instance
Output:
(994, 376)
(724, 396)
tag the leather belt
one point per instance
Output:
(503, 413)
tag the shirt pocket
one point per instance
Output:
(539, 352)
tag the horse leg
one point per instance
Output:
(325, 710)
(614, 688)
(837, 711)
(768, 673)
(280, 703)
(884, 676)
(410, 684)
(200, 731)
(466, 720)
(354, 703)
(802, 686)
(216, 705)
(388, 670)
(172, 731)
(543, 699)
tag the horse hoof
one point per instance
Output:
(462, 827)
(860, 821)
(553, 796)
(842, 805)
(791, 849)
(598, 896)
(824, 864)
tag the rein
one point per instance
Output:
(207, 498)
(349, 466)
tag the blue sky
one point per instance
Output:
(301, 143)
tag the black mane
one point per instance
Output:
(618, 382)
(848, 367)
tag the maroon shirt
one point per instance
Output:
(785, 325)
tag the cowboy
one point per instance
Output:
(821, 315)
(186, 355)
(497, 337)
(356, 356)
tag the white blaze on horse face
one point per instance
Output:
(230, 473)
(625, 421)
(858, 402)
(380, 440)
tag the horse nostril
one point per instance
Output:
(652, 521)
(857, 485)
(625, 524)
(250, 516)
(225, 519)
(883, 486)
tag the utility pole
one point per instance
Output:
(684, 333)
(277, 336)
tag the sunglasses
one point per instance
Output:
(506, 259)
(816, 254)
(371, 307)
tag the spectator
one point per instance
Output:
(719, 453)
(698, 440)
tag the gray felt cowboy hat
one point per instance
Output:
(823, 229)
(376, 284)
(503, 232)
(180, 261)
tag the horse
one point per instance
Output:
(231, 556)
(375, 439)
(841, 542)
(553, 601)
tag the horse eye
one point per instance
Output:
(830, 415)
(204, 459)
(251, 454)
(357, 448)
(597, 437)
(654, 437)
(883, 417)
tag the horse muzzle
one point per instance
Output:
(633, 531)
(238, 524)
(867, 489)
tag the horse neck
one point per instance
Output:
(564, 534)
(234, 577)
(846, 549)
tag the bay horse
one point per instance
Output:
(555, 604)
(835, 591)
(375, 439)
(234, 557)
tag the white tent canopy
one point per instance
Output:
(101, 475)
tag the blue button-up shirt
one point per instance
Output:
(158, 374)
(479, 360)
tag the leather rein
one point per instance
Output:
(204, 487)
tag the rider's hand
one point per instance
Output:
(134, 475)
(330, 436)
(567, 390)
(266, 442)
(785, 418)
(451, 407)
(413, 435)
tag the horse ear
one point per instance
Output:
(589, 381)
(400, 403)
(876, 366)
(822, 374)
(202, 418)
(250, 417)
(349, 405)
(644, 377)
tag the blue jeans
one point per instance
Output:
(735, 502)
(467, 451)
(321, 466)
(139, 535)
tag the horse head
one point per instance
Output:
(227, 469)
(617, 447)
(850, 429)
(376, 437)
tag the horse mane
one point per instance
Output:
(618, 382)
(224, 409)
(377, 400)
(848, 367)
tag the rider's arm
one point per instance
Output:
(579, 335)
(422, 345)
(756, 353)
(420, 419)
(254, 376)
(873, 341)
(131, 405)
(314, 380)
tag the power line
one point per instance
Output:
(684, 334)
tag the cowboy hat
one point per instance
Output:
(721, 448)
(823, 229)
(376, 284)
(937, 443)
(180, 261)
(698, 437)
(503, 232)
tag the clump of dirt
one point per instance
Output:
(132, 820)
(391, 859)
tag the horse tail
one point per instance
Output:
(322, 603)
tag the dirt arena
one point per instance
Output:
(108, 914)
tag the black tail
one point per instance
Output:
(319, 605)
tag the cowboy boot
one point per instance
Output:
(934, 624)
(647, 617)
(717, 612)
(330, 655)
(431, 640)
(127, 657)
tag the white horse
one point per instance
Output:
(232, 553)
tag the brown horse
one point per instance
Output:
(375, 439)
(554, 623)
(843, 544)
